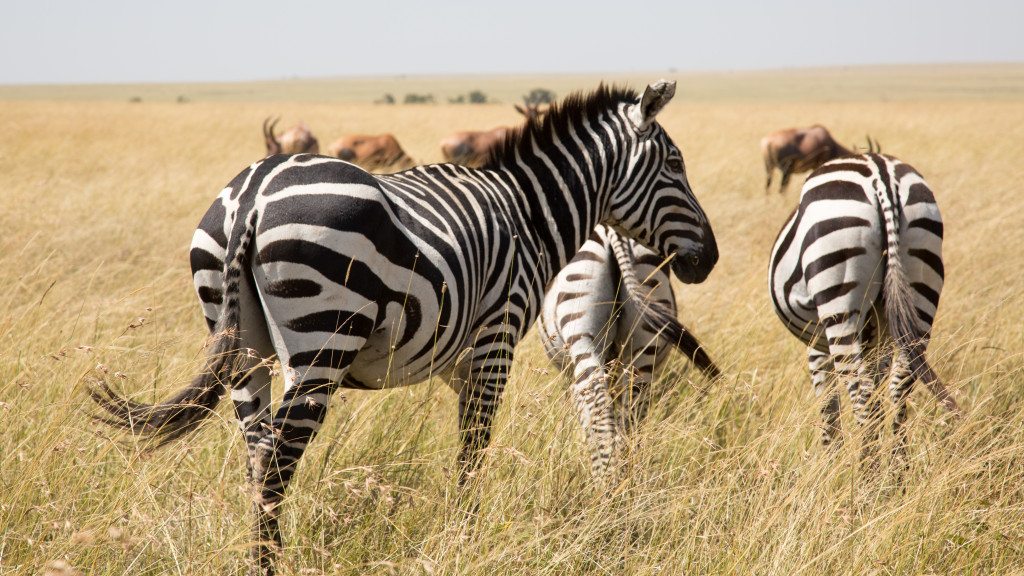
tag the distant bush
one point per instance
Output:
(135, 99)
(182, 99)
(413, 98)
(385, 99)
(474, 97)
(540, 96)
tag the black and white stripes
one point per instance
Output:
(856, 273)
(364, 281)
(613, 304)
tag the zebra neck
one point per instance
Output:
(564, 188)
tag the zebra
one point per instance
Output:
(856, 273)
(366, 281)
(597, 311)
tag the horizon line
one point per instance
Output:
(440, 75)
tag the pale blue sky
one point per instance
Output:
(85, 41)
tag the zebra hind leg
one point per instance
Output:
(251, 397)
(825, 390)
(874, 370)
(635, 387)
(594, 409)
(252, 407)
(900, 383)
(311, 378)
(848, 351)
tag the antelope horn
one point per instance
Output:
(273, 146)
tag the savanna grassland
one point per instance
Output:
(100, 197)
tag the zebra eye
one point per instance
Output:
(675, 164)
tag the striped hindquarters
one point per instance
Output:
(830, 258)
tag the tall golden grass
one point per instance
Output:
(100, 199)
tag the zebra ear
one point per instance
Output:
(655, 97)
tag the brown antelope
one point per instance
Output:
(296, 140)
(799, 150)
(472, 148)
(371, 151)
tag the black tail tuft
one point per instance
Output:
(180, 414)
(183, 412)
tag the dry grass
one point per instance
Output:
(100, 201)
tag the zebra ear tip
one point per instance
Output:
(664, 88)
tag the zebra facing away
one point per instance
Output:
(856, 273)
(374, 281)
(598, 311)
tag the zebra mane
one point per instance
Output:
(572, 108)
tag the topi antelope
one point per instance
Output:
(473, 148)
(296, 140)
(800, 150)
(371, 151)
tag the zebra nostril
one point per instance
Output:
(694, 259)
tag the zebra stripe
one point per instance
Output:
(365, 281)
(593, 316)
(856, 274)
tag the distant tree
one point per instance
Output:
(413, 98)
(460, 99)
(135, 99)
(385, 99)
(182, 99)
(540, 96)
(477, 97)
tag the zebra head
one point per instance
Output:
(652, 201)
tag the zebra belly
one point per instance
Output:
(378, 366)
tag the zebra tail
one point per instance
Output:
(658, 318)
(185, 411)
(897, 298)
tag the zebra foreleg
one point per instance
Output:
(479, 398)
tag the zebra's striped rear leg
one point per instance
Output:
(311, 377)
(251, 395)
(251, 399)
(635, 387)
(875, 370)
(594, 408)
(900, 384)
(278, 452)
(825, 390)
(848, 357)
